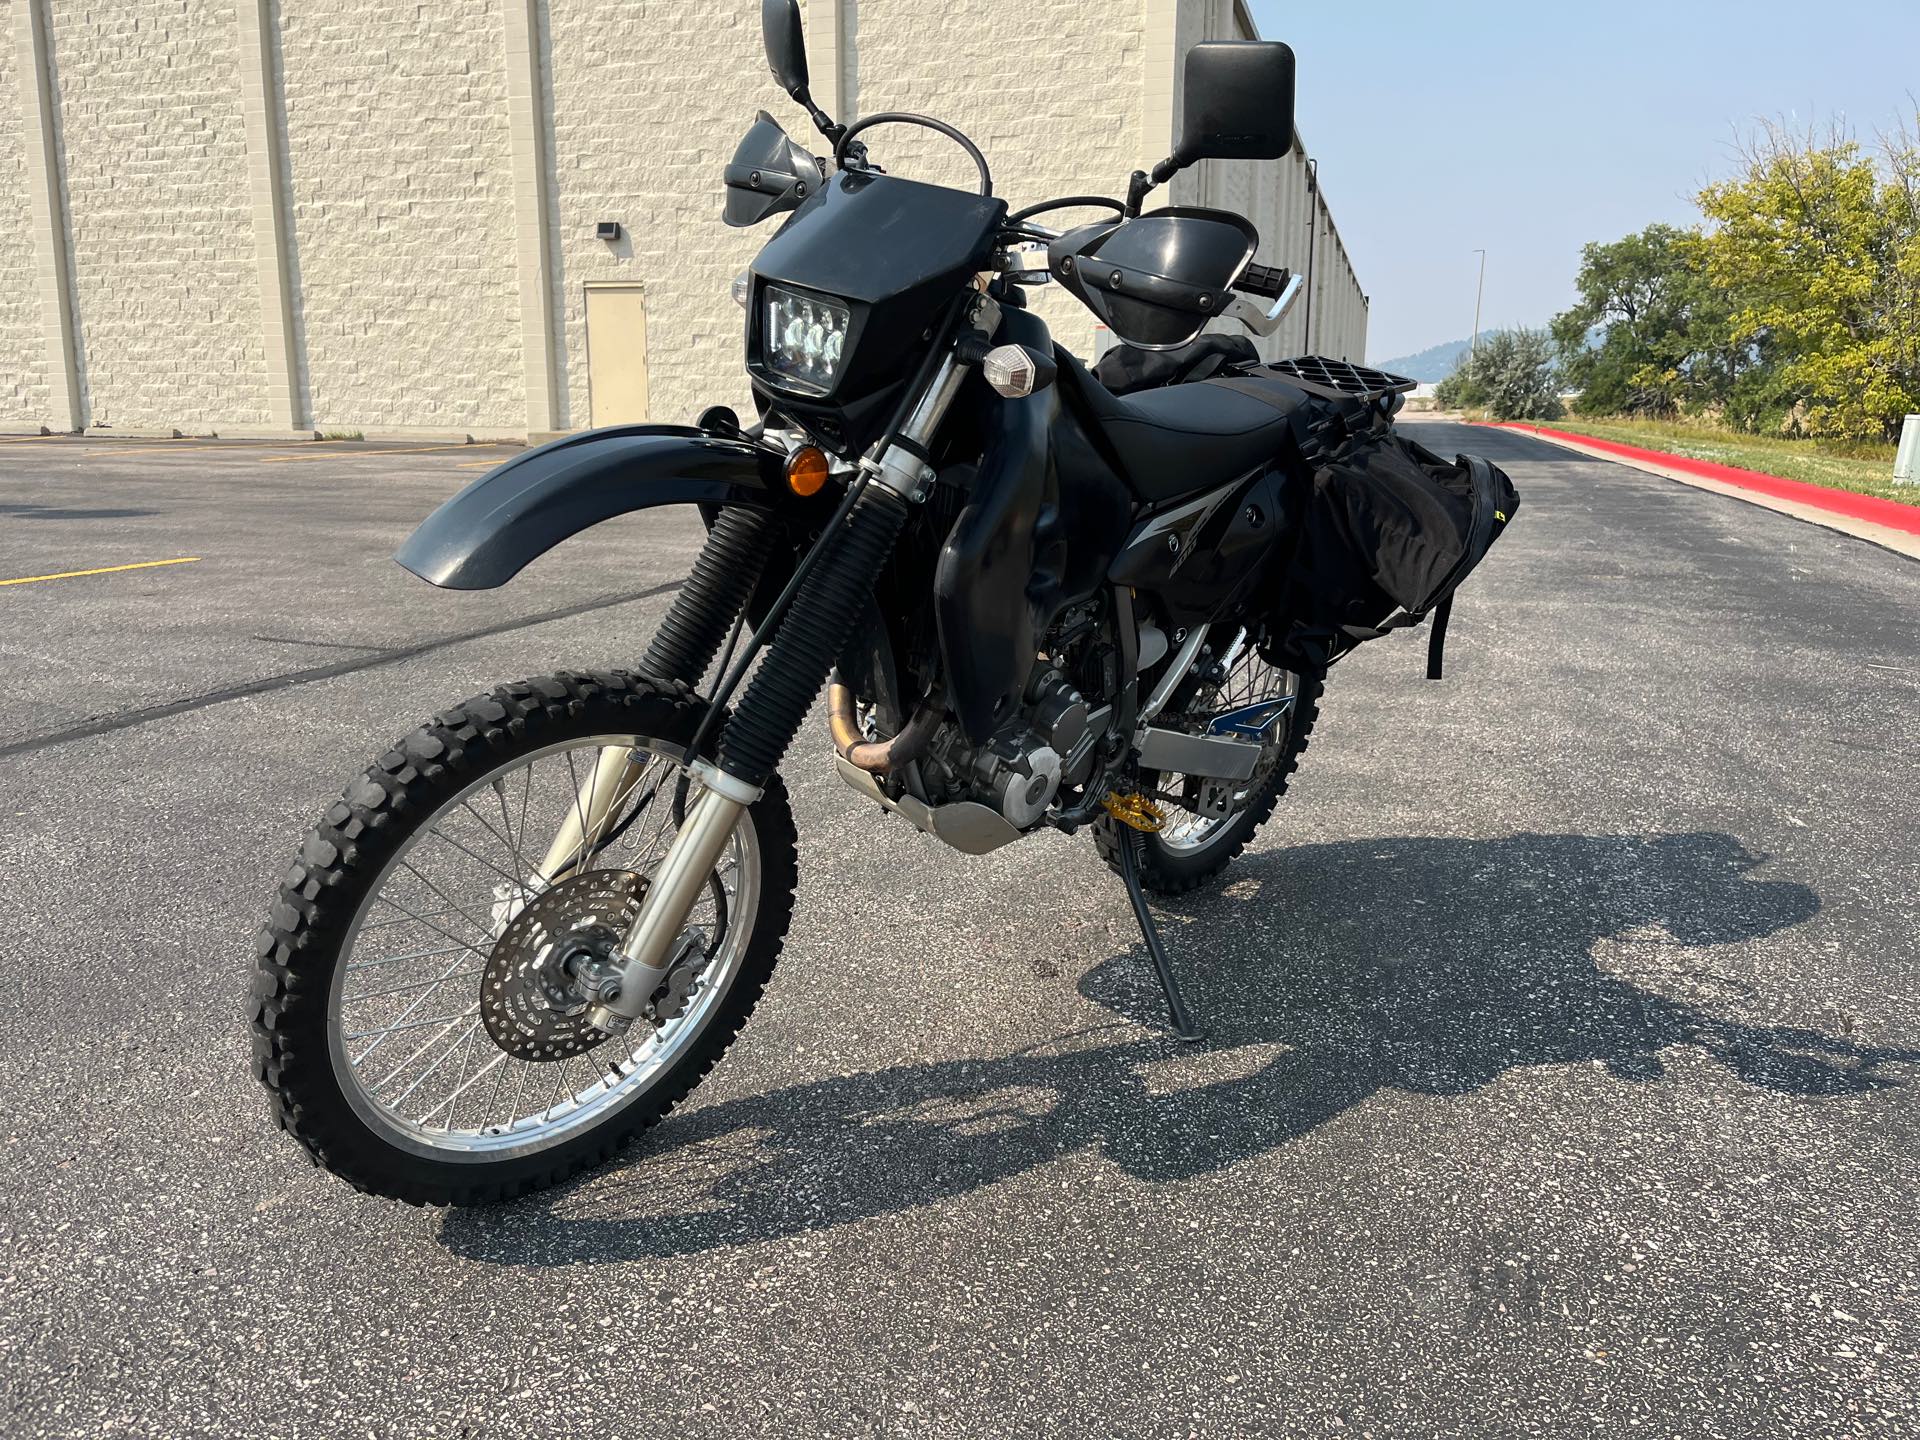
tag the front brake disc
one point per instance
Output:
(529, 1000)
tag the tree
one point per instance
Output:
(1650, 334)
(1818, 246)
(1459, 390)
(1511, 377)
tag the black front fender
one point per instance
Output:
(486, 534)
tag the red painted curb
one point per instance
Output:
(1890, 513)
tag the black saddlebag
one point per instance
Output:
(1127, 368)
(1388, 532)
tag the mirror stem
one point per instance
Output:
(1141, 184)
(822, 121)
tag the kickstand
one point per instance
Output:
(1131, 842)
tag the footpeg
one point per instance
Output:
(1136, 811)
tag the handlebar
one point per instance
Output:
(1273, 283)
(1066, 202)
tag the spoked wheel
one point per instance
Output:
(1206, 827)
(428, 982)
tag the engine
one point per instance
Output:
(1051, 740)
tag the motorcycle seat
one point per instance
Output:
(1181, 439)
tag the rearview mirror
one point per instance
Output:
(786, 45)
(1239, 101)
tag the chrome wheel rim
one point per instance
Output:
(405, 1033)
(1250, 680)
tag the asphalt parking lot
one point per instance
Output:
(1564, 1077)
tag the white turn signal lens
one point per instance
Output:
(741, 288)
(1010, 370)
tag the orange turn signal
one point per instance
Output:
(807, 470)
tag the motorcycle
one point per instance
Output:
(1036, 600)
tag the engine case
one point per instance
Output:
(1020, 770)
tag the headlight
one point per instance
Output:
(804, 339)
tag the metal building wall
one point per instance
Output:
(1284, 204)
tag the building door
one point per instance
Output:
(616, 354)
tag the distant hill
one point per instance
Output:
(1430, 366)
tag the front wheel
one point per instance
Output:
(421, 1009)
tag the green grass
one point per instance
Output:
(1866, 469)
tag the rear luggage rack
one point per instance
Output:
(1340, 377)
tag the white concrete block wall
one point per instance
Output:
(410, 263)
(1069, 124)
(647, 99)
(24, 401)
(148, 98)
(400, 189)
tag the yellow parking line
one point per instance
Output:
(362, 454)
(103, 570)
(171, 447)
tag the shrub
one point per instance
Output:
(1511, 377)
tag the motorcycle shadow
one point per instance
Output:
(1327, 972)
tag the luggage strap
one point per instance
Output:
(1208, 366)
(1407, 619)
(1437, 636)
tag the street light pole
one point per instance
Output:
(1473, 347)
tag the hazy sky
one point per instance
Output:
(1532, 128)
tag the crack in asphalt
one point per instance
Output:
(128, 719)
(318, 644)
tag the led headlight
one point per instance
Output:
(803, 339)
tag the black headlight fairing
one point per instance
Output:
(895, 253)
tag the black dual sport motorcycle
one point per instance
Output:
(1042, 595)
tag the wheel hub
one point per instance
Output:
(549, 966)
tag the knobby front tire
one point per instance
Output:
(438, 793)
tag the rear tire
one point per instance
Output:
(364, 839)
(1166, 870)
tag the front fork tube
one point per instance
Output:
(825, 611)
(716, 591)
(650, 949)
(616, 770)
(722, 580)
(826, 608)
